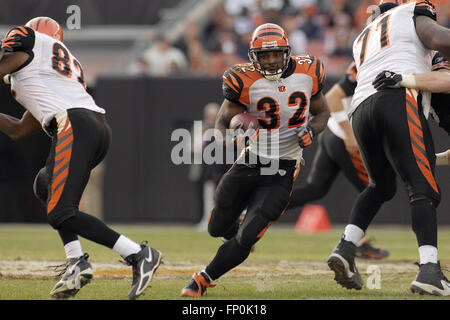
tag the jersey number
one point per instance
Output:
(384, 37)
(271, 108)
(61, 63)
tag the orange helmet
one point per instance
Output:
(46, 26)
(269, 37)
(395, 1)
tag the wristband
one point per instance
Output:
(6, 79)
(339, 116)
(408, 81)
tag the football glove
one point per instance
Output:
(8, 44)
(387, 79)
(305, 137)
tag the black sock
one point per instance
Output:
(366, 207)
(229, 255)
(424, 222)
(91, 228)
(67, 236)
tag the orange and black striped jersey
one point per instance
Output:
(281, 106)
(439, 62)
(348, 81)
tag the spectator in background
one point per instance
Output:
(297, 38)
(310, 23)
(340, 34)
(163, 59)
(363, 13)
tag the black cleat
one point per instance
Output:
(144, 264)
(431, 280)
(342, 262)
(366, 251)
(196, 287)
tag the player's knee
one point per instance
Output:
(56, 217)
(218, 223)
(40, 185)
(384, 191)
(433, 201)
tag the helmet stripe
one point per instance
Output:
(37, 23)
(269, 34)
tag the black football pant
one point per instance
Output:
(394, 138)
(264, 196)
(330, 158)
(80, 141)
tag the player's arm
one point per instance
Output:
(443, 158)
(10, 63)
(319, 112)
(433, 35)
(334, 99)
(19, 128)
(227, 111)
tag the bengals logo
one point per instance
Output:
(282, 88)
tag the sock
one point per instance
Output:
(73, 249)
(229, 255)
(353, 233)
(124, 246)
(91, 228)
(208, 278)
(427, 254)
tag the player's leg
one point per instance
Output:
(412, 153)
(266, 204)
(231, 198)
(323, 172)
(369, 132)
(81, 142)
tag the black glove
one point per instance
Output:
(8, 44)
(305, 137)
(387, 79)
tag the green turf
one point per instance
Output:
(182, 243)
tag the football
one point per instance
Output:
(245, 119)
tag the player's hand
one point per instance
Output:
(387, 79)
(305, 137)
(350, 144)
(8, 44)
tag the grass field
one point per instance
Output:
(284, 266)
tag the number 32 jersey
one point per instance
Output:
(281, 106)
(391, 43)
(51, 81)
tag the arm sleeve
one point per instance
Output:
(348, 81)
(319, 77)
(425, 8)
(232, 86)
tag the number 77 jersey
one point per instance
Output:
(390, 42)
(51, 80)
(281, 106)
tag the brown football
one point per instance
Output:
(245, 119)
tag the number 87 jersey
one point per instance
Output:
(281, 106)
(390, 42)
(51, 80)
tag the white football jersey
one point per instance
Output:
(391, 43)
(281, 107)
(52, 81)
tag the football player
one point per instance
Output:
(284, 93)
(394, 138)
(47, 80)
(337, 151)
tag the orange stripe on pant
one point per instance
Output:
(59, 181)
(416, 136)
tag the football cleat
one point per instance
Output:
(430, 280)
(77, 272)
(342, 262)
(144, 264)
(196, 287)
(366, 251)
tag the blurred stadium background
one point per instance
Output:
(154, 66)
